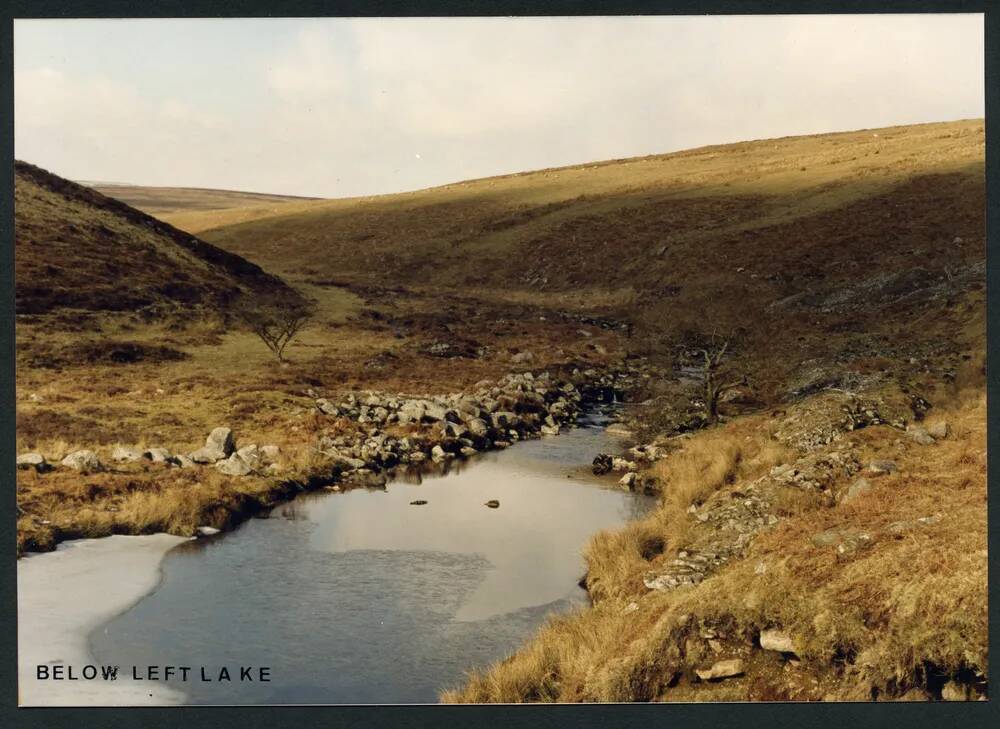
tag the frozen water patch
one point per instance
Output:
(63, 596)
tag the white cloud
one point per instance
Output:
(362, 106)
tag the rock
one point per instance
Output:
(549, 430)
(85, 461)
(622, 465)
(953, 691)
(218, 445)
(251, 455)
(628, 480)
(881, 468)
(630, 608)
(158, 455)
(124, 453)
(523, 358)
(722, 669)
(602, 464)
(478, 427)
(418, 502)
(857, 489)
(234, 466)
(773, 639)
(207, 531)
(938, 430)
(468, 451)
(417, 457)
(493, 504)
(33, 460)
(326, 407)
(919, 435)
(184, 462)
(438, 454)
(269, 453)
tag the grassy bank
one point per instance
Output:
(902, 615)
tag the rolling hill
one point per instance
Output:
(77, 249)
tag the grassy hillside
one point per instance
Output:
(79, 250)
(164, 201)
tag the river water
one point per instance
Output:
(361, 597)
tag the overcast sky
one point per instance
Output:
(334, 107)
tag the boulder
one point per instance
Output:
(438, 454)
(184, 462)
(602, 464)
(468, 451)
(722, 669)
(234, 466)
(478, 427)
(222, 439)
(857, 489)
(158, 455)
(85, 461)
(326, 407)
(628, 480)
(881, 468)
(33, 460)
(523, 358)
(938, 430)
(206, 531)
(918, 434)
(773, 639)
(251, 455)
(124, 453)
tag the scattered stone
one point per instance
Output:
(857, 489)
(33, 460)
(234, 466)
(628, 480)
(918, 434)
(184, 462)
(438, 454)
(523, 358)
(124, 453)
(881, 468)
(468, 451)
(327, 408)
(218, 445)
(493, 504)
(158, 455)
(418, 502)
(938, 430)
(85, 461)
(207, 531)
(270, 453)
(251, 455)
(722, 669)
(773, 639)
(602, 464)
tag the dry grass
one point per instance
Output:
(907, 613)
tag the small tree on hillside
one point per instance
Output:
(275, 320)
(717, 375)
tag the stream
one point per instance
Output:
(361, 597)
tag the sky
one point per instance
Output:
(347, 107)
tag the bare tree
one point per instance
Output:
(717, 376)
(275, 320)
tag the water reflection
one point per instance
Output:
(360, 597)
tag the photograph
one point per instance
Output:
(380, 361)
